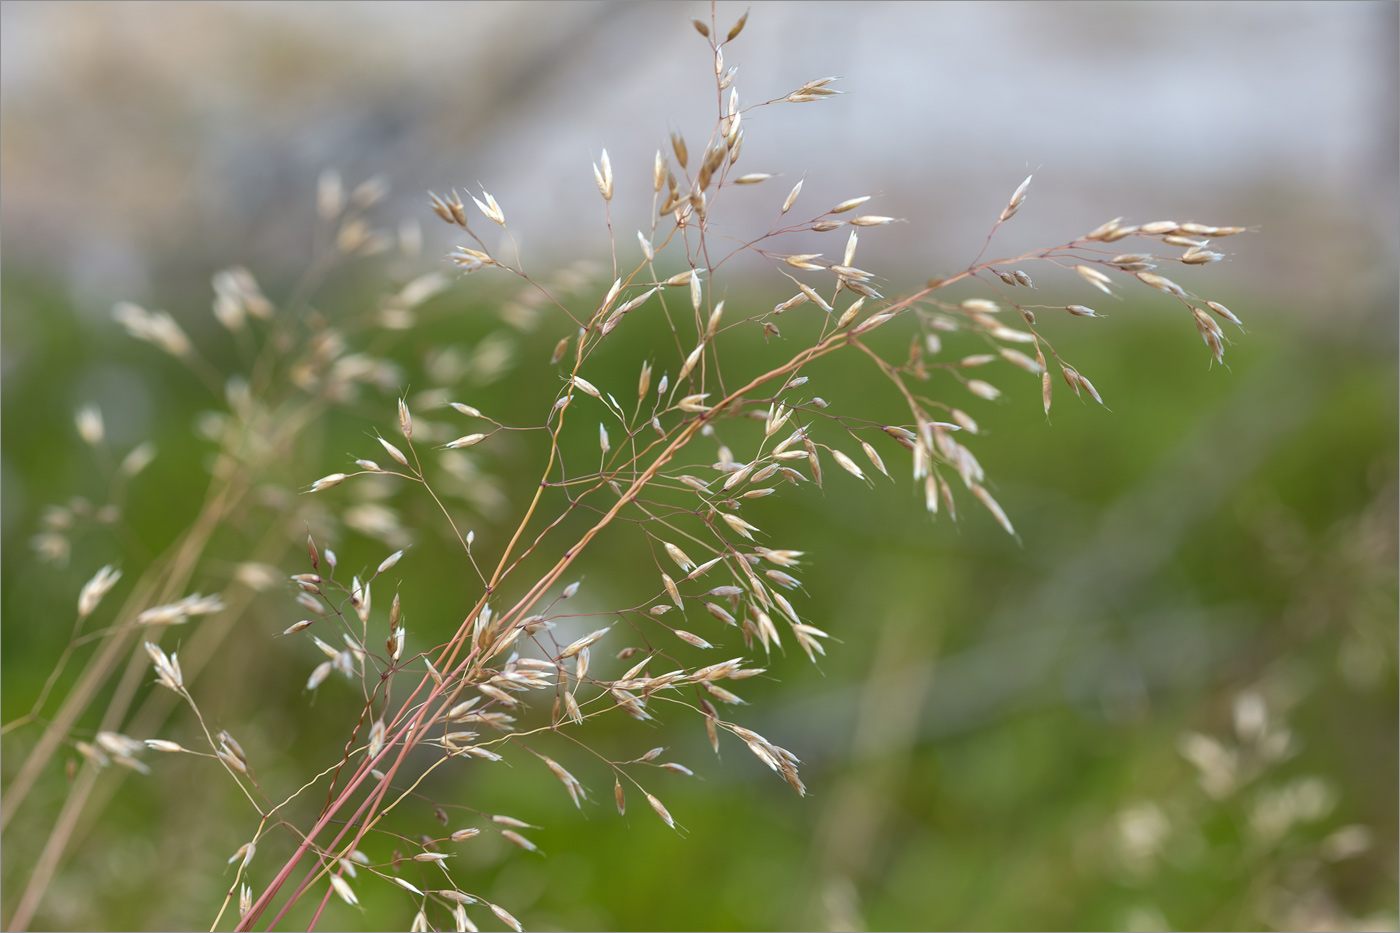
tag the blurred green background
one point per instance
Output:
(999, 734)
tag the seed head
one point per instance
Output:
(791, 198)
(96, 588)
(491, 209)
(737, 28)
(1018, 198)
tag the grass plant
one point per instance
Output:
(672, 449)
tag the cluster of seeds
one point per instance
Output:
(519, 670)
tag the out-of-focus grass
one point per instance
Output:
(972, 742)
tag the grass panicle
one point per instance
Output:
(675, 456)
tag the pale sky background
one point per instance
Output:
(140, 134)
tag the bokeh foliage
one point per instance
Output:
(978, 744)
